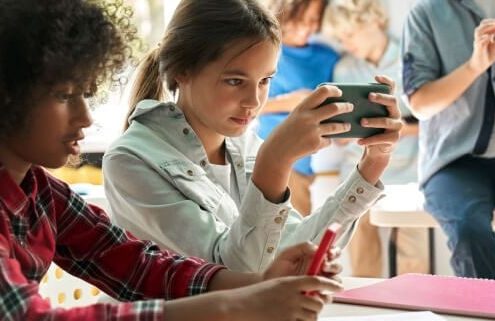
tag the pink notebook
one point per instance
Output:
(443, 294)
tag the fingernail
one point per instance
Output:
(364, 121)
(350, 107)
(373, 95)
(347, 126)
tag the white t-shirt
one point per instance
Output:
(225, 176)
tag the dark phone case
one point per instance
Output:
(357, 94)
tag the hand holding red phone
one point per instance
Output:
(326, 243)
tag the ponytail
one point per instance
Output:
(147, 84)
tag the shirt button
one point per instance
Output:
(270, 249)
(283, 212)
(360, 190)
(202, 163)
(185, 131)
(352, 199)
(239, 165)
(278, 219)
(190, 172)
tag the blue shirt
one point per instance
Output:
(298, 68)
(438, 38)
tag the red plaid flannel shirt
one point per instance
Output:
(43, 220)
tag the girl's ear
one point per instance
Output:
(183, 78)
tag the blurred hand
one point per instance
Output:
(483, 46)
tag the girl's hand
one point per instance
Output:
(381, 145)
(295, 260)
(483, 46)
(280, 299)
(302, 133)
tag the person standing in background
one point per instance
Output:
(360, 26)
(302, 66)
(449, 81)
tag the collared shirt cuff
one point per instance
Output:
(356, 196)
(261, 212)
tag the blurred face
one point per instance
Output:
(53, 128)
(225, 96)
(296, 32)
(361, 40)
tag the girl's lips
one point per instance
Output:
(241, 121)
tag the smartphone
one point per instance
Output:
(326, 242)
(357, 94)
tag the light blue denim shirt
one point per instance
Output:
(158, 187)
(438, 38)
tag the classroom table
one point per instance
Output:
(341, 309)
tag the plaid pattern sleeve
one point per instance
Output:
(91, 247)
(86, 244)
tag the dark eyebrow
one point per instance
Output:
(237, 72)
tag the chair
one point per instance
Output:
(66, 291)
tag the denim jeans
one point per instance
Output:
(461, 196)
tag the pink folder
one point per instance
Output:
(443, 294)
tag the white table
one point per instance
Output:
(403, 207)
(340, 309)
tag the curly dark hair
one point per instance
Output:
(47, 42)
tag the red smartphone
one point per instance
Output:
(327, 240)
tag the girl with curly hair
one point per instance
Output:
(55, 54)
(191, 176)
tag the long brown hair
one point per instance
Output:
(198, 34)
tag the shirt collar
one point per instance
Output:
(16, 197)
(473, 7)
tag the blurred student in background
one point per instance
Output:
(448, 54)
(360, 26)
(302, 66)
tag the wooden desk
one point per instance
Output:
(340, 309)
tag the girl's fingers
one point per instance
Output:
(317, 283)
(334, 252)
(382, 79)
(306, 315)
(312, 303)
(389, 101)
(382, 122)
(318, 96)
(331, 110)
(327, 129)
(385, 138)
(332, 268)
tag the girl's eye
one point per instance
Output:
(234, 82)
(88, 95)
(266, 81)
